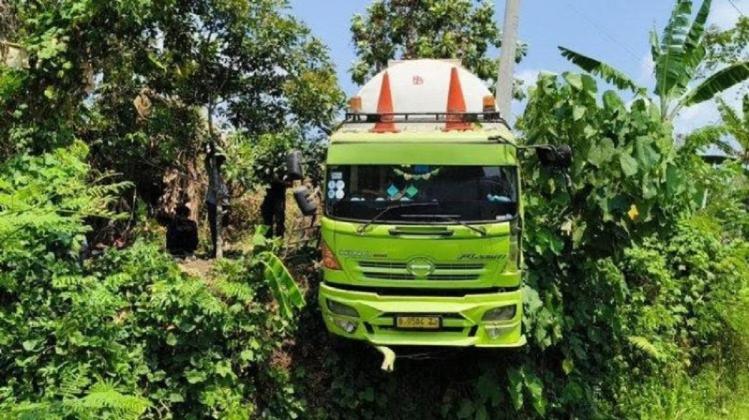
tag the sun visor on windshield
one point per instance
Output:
(410, 153)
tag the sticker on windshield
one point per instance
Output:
(336, 175)
(331, 185)
(339, 194)
(331, 194)
(340, 185)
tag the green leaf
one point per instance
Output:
(718, 82)
(601, 153)
(535, 387)
(646, 155)
(673, 179)
(612, 101)
(670, 68)
(195, 376)
(246, 355)
(30, 345)
(578, 112)
(171, 339)
(175, 398)
(693, 46)
(645, 346)
(568, 366)
(655, 46)
(284, 288)
(628, 163)
(603, 70)
(515, 388)
(50, 92)
(574, 80)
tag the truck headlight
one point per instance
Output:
(503, 313)
(339, 308)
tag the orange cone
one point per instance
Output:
(385, 106)
(455, 104)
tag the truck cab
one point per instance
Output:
(421, 227)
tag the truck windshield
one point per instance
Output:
(463, 193)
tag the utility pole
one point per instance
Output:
(507, 57)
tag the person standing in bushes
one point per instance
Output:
(217, 195)
(273, 209)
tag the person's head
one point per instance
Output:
(182, 211)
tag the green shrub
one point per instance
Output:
(128, 333)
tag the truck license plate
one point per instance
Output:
(418, 322)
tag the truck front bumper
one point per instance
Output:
(461, 324)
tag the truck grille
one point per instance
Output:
(392, 270)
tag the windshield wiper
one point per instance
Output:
(390, 208)
(450, 217)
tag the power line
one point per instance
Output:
(736, 7)
(603, 30)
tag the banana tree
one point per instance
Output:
(678, 54)
(731, 136)
(736, 125)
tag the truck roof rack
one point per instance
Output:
(424, 117)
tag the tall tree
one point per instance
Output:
(407, 29)
(67, 42)
(146, 82)
(678, 55)
(249, 66)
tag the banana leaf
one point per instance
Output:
(282, 284)
(601, 69)
(721, 80)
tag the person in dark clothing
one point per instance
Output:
(273, 209)
(217, 193)
(182, 233)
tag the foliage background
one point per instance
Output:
(638, 262)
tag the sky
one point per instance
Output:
(615, 31)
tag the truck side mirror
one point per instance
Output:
(302, 197)
(294, 170)
(555, 157)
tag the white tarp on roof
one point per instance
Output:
(422, 86)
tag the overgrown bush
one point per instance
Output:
(624, 283)
(126, 334)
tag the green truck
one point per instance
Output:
(422, 221)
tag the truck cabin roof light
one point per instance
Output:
(355, 105)
(329, 259)
(489, 104)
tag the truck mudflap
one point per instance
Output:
(479, 320)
